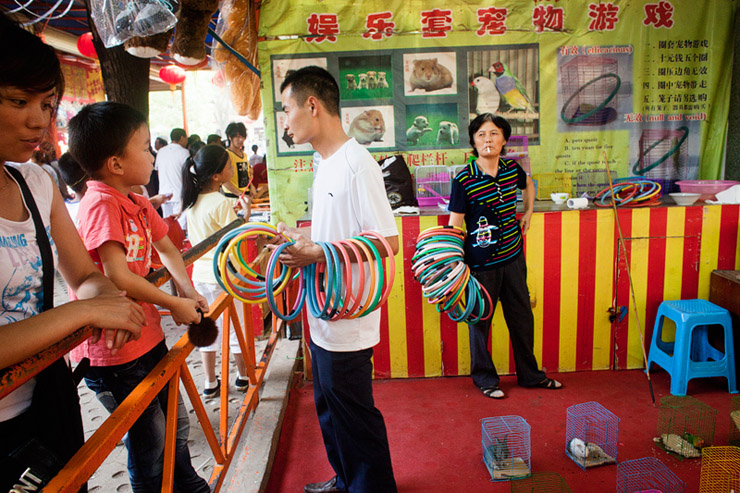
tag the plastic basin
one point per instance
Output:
(707, 188)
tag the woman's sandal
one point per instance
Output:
(493, 392)
(550, 384)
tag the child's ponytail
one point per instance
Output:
(191, 188)
(198, 171)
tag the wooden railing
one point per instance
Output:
(171, 369)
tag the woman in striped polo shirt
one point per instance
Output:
(483, 201)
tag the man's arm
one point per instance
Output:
(304, 251)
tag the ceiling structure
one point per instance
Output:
(63, 21)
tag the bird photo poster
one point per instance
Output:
(646, 81)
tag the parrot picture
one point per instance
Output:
(511, 90)
(488, 97)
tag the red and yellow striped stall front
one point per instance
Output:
(576, 272)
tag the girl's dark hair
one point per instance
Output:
(476, 124)
(72, 173)
(198, 171)
(27, 63)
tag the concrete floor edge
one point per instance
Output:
(250, 469)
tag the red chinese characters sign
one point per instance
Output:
(604, 16)
(378, 25)
(659, 15)
(322, 27)
(435, 23)
(547, 18)
(492, 21)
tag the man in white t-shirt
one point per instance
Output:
(169, 163)
(348, 198)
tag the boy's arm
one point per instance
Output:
(172, 260)
(113, 258)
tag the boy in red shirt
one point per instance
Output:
(119, 228)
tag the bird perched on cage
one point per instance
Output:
(511, 90)
(694, 440)
(488, 96)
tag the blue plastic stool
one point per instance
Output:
(691, 355)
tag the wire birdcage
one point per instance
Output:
(733, 437)
(506, 447)
(592, 181)
(647, 474)
(685, 426)
(592, 435)
(589, 86)
(664, 157)
(432, 184)
(540, 482)
(548, 183)
(720, 470)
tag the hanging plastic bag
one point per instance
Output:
(117, 20)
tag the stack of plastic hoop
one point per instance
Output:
(630, 192)
(333, 290)
(439, 266)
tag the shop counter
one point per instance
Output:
(576, 271)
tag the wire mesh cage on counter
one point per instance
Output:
(733, 437)
(548, 183)
(685, 426)
(432, 184)
(589, 86)
(664, 157)
(647, 475)
(540, 482)
(720, 470)
(592, 181)
(592, 434)
(506, 447)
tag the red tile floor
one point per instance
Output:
(435, 433)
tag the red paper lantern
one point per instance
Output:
(85, 45)
(172, 74)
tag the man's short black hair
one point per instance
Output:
(102, 130)
(314, 81)
(255, 147)
(235, 128)
(213, 139)
(177, 134)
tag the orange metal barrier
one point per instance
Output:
(170, 370)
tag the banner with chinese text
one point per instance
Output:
(645, 82)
